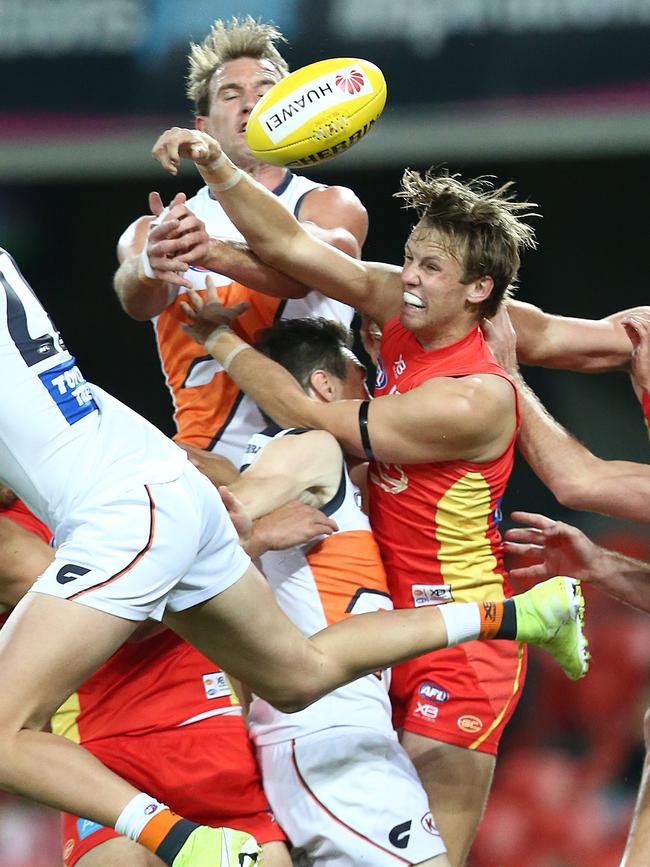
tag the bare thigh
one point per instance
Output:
(122, 851)
(457, 782)
(276, 854)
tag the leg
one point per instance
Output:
(457, 781)
(47, 648)
(637, 850)
(275, 854)
(244, 624)
(122, 851)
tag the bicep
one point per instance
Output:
(290, 468)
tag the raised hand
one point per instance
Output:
(637, 327)
(206, 314)
(176, 143)
(545, 548)
(502, 339)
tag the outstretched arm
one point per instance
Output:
(577, 478)
(548, 340)
(276, 236)
(446, 418)
(548, 548)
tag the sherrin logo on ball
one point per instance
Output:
(316, 112)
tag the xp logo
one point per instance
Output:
(70, 572)
(350, 83)
(433, 691)
(399, 835)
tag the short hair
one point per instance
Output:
(240, 37)
(305, 345)
(482, 222)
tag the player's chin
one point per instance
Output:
(412, 317)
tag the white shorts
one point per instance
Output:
(349, 796)
(156, 547)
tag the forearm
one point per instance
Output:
(569, 343)
(577, 478)
(141, 298)
(557, 458)
(237, 261)
(272, 387)
(622, 577)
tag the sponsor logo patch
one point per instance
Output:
(85, 828)
(301, 105)
(469, 723)
(216, 685)
(433, 691)
(69, 391)
(70, 572)
(426, 710)
(431, 594)
(399, 835)
(381, 379)
(399, 366)
(429, 825)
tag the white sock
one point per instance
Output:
(136, 814)
(462, 621)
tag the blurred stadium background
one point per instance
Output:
(554, 94)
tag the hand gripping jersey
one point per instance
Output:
(437, 523)
(63, 441)
(318, 584)
(210, 411)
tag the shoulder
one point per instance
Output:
(332, 196)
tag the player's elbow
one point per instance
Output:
(292, 697)
(574, 491)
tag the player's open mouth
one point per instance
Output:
(411, 300)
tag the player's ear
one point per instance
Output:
(321, 385)
(480, 289)
(200, 122)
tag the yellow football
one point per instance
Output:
(316, 112)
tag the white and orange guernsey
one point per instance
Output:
(209, 409)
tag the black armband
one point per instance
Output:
(363, 429)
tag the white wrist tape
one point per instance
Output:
(215, 164)
(146, 264)
(234, 178)
(228, 360)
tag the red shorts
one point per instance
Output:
(462, 695)
(205, 772)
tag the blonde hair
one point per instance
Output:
(240, 37)
(481, 221)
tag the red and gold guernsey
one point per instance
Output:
(437, 523)
(437, 529)
(154, 684)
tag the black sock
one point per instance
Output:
(508, 627)
(174, 841)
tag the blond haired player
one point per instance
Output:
(228, 72)
(442, 434)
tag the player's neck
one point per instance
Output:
(269, 176)
(440, 336)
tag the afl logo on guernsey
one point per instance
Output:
(382, 379)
